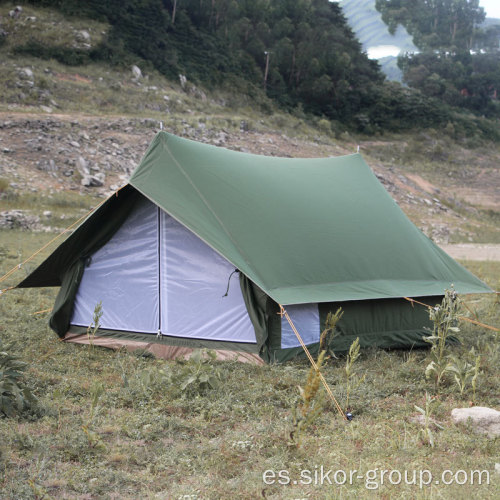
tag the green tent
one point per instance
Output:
(165, 253)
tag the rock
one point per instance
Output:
(136, 71)
(82, 36)
(18, 219)
(86, 181)
(46, 109)
(83, 166)
(16, 12)
(75, 144)
(484, 420)
(183, 81)
(497, 468)
(47, 213)
(26, 74)
(96, 180)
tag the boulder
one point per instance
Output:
(96, 180)
(183, 81)
(83, 166)
(82, 36)
(482, 419)
(136, 71)
(26, 74)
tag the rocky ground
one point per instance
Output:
(49, 153)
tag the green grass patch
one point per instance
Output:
(114, 424)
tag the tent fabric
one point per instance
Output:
(303, 230)
(305, 317)
(124, 276)
(311, 234)
(194, 280)
(64, 267)
(155, 276)
(89, 236)
(195, 343)
(161, 350)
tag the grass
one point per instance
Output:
(142, 437)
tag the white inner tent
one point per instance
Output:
(154, 275)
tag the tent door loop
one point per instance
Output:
(229, 281)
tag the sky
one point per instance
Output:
(491, 7)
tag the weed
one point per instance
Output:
(430, 405)
(465, 372)
(330, 332)
(93, 438)
(311, 402)
(445, 319)
(93, 328)
(352, 380)
(198, 374)
(15, 396)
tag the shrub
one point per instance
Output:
(15, 397)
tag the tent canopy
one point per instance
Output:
(303, 230)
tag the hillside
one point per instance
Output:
(50, 141)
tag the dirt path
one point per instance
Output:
(473, 251)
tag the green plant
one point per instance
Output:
(475, 377)
(145, 383)
(93, 328)
(198, 374)
(311, 402)
(15, 397)
(352, 379)
(330, 332)
(93, 438)
(445, 318)
(430, 405)
(465, 372)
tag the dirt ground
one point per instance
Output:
(473, 251)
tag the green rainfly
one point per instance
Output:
(311, 235)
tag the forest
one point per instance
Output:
(303, 56)
(459, 59)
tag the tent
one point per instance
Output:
(203, 244)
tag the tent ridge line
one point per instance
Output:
(202, 198)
